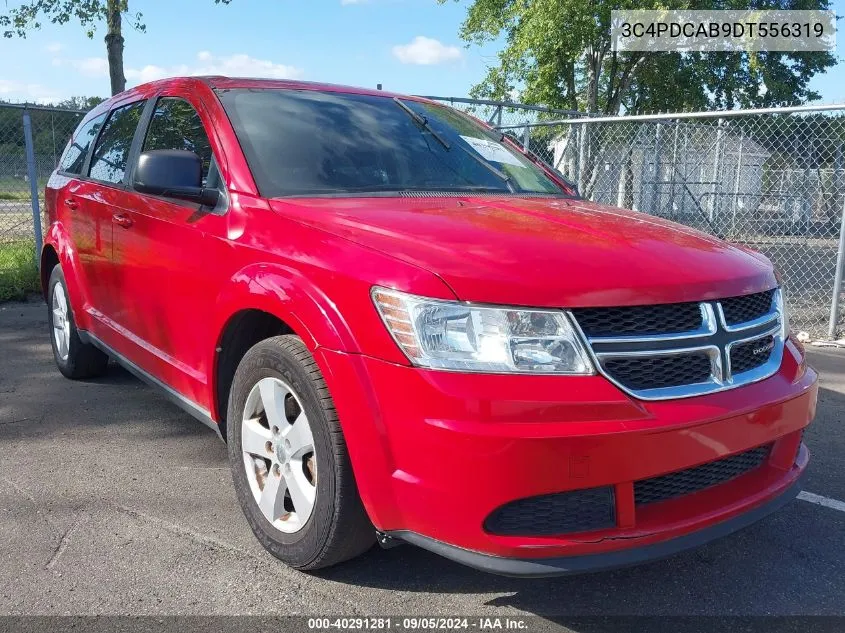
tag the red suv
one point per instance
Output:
(408, 329)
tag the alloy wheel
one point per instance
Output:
(61, 323)
(278, 455)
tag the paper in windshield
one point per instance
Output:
(492, 151)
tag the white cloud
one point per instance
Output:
(242, 65)
(239, 65)
(426, 51)
(12, 90)
(150, 72)
(54, 47)
(95, 67)
(88, 66)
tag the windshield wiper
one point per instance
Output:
(491, 167)
(420, 120)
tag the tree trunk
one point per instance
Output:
(114, 46)
(592, 82)
(571, 92)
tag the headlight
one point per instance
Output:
(454, 335)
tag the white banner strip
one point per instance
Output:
(711, 31)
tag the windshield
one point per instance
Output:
(303, 142)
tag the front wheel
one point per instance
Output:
(290, 467)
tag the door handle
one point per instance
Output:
(71, 204)
(121, 219)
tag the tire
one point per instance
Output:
(335, 526)
(75, 359)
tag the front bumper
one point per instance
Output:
(567, 565)
(435, 453)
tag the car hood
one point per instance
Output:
(542, 252)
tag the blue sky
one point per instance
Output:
(410, 46)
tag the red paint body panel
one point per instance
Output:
(434, 452)
(507, 437)
(524, 251)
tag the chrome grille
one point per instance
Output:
(750, 355)
(644, 372)
(739, 310)
(639, 320)
(686, 349)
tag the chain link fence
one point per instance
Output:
(505, 113)
(770, 179)
(31, 141)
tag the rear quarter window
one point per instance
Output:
(77, 148)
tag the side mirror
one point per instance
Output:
(174, 173)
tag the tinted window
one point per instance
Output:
(307, 142)
(176, 125)
(112, 150)
(77, 149)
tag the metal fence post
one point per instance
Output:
(32, 172)
(496, 116)
(526, 138)
(715, 204)
(656, 197)
(642, 196)
(837, 280)
(737, 183)
(582, 159)
(673, 170)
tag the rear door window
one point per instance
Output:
(77, 150)
(111, 153)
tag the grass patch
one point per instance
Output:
(18, 271)
(17, 196)
(17, 189)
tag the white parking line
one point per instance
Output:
(822, 501)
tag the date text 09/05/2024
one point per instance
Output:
(419, 623)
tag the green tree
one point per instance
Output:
(558, 53)
(90, 14)
(80, 103)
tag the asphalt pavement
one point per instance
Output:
(114, 501)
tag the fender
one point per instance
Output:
(275, 289)
(58, 238)
(365, 432)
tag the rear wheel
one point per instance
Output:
(289, 462)
(74, 358)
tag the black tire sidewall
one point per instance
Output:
(303, 547)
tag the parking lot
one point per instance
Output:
(114, 501)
